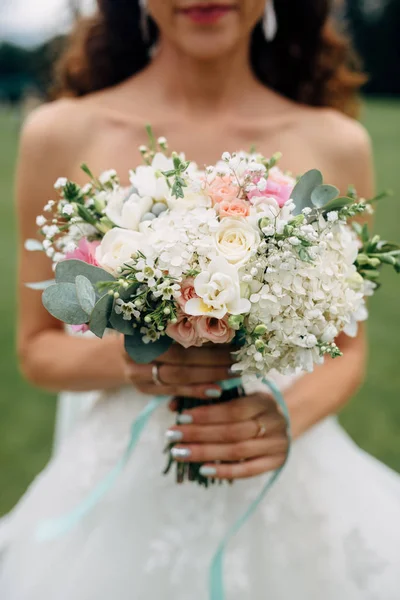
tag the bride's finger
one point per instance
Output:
(206, 392)
(228, 432)
(176, 375)
(241, 409)
(244, 470)
(204, 453)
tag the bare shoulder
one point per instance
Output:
(55, 131)
(343, 145)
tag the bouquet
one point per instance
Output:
(236, 253)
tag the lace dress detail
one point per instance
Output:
(329, 529)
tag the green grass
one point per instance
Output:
(372, 418)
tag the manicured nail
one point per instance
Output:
(181, 452)
(213, 393)
(208, 471)
(174, 436)
(185, 419)
(231, 371)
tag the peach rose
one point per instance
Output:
(187, 292)
(223, 188)
(184, 331)
(214, 330)
(235, 208)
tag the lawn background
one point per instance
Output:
(372, 418)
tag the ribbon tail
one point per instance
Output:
(216, 584)
(53, 528)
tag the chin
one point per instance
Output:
(207, 46)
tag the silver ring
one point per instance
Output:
(155, 374)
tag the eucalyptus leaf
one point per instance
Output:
(323, 194)
(86, 294)
(40, 285)
(142, 353)
(337, 204)
(120, 324)
(100, 315)
(303, 189)
(33, 246)
(68, 270)
(62, 302)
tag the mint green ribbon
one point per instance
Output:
(53, 528)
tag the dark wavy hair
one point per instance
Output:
(308, 61)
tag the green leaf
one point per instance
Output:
(142, 353)
(86, 215)
(62, 302)
(303, 255)
(68, 270)
(100, 315)
(303, 189)
(86, 294)
(40, 285)
(365, 233)
(357, 228)
(86, 170)
(323, 194)
(120, 324)
(337, 204)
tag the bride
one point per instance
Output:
(209, 77)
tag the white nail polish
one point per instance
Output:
(181, 452)
(185, 419)
(174, 436)
(213, 393)
(208, 471)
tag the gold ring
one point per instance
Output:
(155, 374)
(262, 430)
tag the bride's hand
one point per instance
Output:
(190, 372)
(248, 435)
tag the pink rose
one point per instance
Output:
(187, 292)
(80, 328)
(278, 186)
(184, 331)
(234, 208)
(214, 330)
(85, 251)
(223, 188)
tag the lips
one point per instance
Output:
(206, 14)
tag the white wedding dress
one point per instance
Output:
(328, 530)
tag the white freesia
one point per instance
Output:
(149, 180)
(192, 198)
(218, 289)
(127, 211)
(236, 240)
(117, 248)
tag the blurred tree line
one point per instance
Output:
(373, 24)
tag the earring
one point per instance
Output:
(144, 21)
(270, 23)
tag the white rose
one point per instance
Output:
(218, 289)
(236, 240)
(149, 181)
(127, 211)
(117, 247)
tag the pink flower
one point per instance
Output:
(214, 330)
(223, 188)
(187, 292)
(184, 331)
(85, 251)
(234, 208)
(278, 186)
(80, 328)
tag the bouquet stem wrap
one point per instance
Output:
(54, 528)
